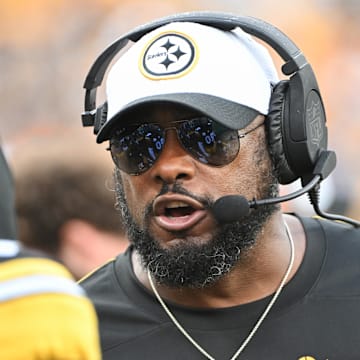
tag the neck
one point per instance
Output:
(256, 275)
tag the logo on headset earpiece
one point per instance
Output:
(168, 56)
(315, 117)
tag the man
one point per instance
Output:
(69, 212)
(191, 127)
(44, 313)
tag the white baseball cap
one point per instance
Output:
(226, 75)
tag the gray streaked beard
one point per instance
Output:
(196, 265)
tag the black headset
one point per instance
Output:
(296, 129)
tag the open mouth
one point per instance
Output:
(178, 209)
(177, 212)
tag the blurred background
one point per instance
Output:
(47, 47)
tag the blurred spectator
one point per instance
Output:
(44, 313)
(64, 203)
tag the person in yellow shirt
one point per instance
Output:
(44, 313)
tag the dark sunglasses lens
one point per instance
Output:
(135, 150)
(209, 142)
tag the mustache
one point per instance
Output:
(177, 188)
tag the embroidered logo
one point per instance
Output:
(168, 56)
(314, 119)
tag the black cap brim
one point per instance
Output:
(228, 113)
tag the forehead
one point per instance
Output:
(159, 112)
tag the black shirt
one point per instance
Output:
(317, 313)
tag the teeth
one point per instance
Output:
(176, 204)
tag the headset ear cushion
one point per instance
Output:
(275, 132)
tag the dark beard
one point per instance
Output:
(196, 265)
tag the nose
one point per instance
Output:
(174, 162)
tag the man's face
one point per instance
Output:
(167, 208)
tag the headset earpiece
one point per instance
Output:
(296, 124)
(295, 149)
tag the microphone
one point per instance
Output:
(231, 208)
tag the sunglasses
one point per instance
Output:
(135, 148)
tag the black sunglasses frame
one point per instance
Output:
(133, 129)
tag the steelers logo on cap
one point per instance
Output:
(168, 56)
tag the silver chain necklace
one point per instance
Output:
(257, 324)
